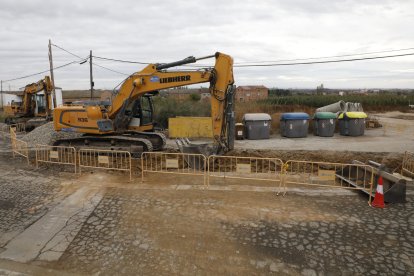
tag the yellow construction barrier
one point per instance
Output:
(18, 147)
(250, 168)
(191, 127)
(330, 175)
(56, 155)
(408, 164)
(105, 159)
(19, 128)
(173, 163)
(5, 132)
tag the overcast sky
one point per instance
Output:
(162, 31)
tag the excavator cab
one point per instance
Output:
(141, 112)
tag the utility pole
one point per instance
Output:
(2, 99)
(90, 72)
(52, 77)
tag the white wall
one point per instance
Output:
(58, 95)
(8, 98)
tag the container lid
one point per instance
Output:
(353, 115)
(324, 115)
(256, 117)
(294, 116)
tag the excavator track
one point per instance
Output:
(134, 145)
(158, 140)
(132, 141)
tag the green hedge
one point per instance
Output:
(316, 101)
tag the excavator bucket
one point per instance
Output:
(185, 146)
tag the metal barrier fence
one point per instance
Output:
(18, 129)
(18, 147)
(173, 163)
(250, 168)
(105, 159)
(331, 175)
(56, 155)
(408, 164)
(5, 132)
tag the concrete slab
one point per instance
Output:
(49, 237)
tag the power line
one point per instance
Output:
(70, 53)
(254, 62)
(121, 60)
(320, 62)
(110, 69)
(236, 65)
(345, 55)
(75, 55)
(42, 72)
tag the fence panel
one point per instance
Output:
(56, 155)
(19, 128)
(105, 159)
(174, 163)
(249, 168)
(19, 147)
(331, 175)
(408, 164)
(5, 132)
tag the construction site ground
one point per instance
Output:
(395, 136)
(105, 225)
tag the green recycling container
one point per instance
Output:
(324, 124)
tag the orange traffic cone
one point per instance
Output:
(379, 195)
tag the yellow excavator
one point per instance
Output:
(36, 106)
(126, 123)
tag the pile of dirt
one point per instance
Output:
(390, 160)
(46, 135)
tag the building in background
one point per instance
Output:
(16, 97)
(9, 97)
(251, 93)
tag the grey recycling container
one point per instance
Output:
(256, 126)
(294, 125)
(324, 124)
(352, 123)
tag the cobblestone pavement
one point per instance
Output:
(165, 232)
(25, 195)
(138, 231)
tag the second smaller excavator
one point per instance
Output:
(36, 106)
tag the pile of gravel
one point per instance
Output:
(46, 135)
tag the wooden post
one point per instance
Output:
(52, 78)
(90, 72)
(2, 99)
